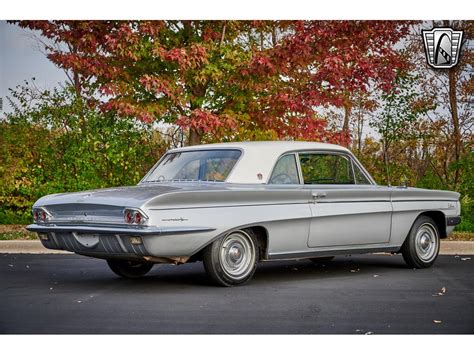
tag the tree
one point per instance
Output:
(228, 79)
(401, 109)
(450, 91)
(51, 142)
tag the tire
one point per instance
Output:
(322, 259)
(421, 247)
(129, 269)
(232, 259)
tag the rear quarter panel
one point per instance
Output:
(409, 203)
(284, 214)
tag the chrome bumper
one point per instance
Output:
(128, 242)
(116, 230)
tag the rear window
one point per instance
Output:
(197, 165)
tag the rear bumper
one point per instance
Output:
(118, 230)
(453, 221)
(118, 241)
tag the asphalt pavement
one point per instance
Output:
(368, 294)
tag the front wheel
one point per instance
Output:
(421, 248)
(129, 269)
(232, 259)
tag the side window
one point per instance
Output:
(285, 171)
(320, 168)
(360, 177)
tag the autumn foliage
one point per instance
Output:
(227, 80)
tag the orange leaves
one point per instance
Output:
(187, 58)
(157, 85)
(219, 76)
(207, 122)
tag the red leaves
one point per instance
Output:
(157, 86)
(261, 65)
(187, 58)
(206, 122)
(266, 75)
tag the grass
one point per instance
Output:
(18, 232)
(15, 232)
(463, 236)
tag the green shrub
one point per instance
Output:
(59, 144)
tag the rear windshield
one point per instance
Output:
(196, 165)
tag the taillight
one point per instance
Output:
(40, 215)
(128, 217)
(138, 218)
(134, 216)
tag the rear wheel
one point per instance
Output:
(421, 248)
(232, 260)
(129, 269)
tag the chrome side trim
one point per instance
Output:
(313, 254)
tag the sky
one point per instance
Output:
(21, 60)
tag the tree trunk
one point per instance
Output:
(386, 162)
(347, 115)
(194, 137)
(455, 120)
(360, 128)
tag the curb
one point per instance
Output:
(26, 247)
(453, 247)
(35, 247)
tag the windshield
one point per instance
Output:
(197, 165)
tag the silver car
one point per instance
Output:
(233, 205)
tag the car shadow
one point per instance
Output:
(342, 266)
(171, 277)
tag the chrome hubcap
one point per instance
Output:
(426, 242)
(237, 255)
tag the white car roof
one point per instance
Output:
(260, 157)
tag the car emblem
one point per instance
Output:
(442, 47)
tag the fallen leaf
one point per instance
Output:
(437, 321)
(440, 293)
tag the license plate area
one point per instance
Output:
(87, 240)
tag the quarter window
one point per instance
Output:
(320, 168)
(286, 171)
(360, 178)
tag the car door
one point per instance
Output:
(347, 208)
